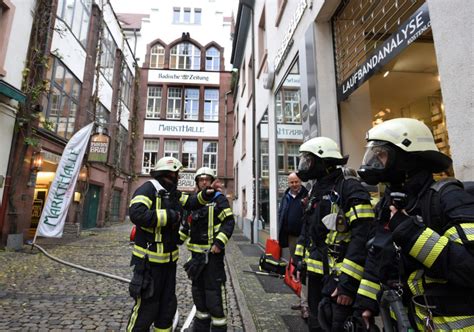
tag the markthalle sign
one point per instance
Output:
(406, 34)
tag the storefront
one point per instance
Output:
(386, 68)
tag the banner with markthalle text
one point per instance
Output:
(61, 191)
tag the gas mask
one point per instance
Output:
(379, 164)
(311, 167)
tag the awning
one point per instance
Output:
(11, 92)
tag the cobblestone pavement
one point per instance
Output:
(38, 294)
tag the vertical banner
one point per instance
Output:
(61, 192)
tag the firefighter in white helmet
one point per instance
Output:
(208, 230)
(156, 209)
(332, 242)
(430, 222)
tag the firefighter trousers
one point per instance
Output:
(160, 308)
(210, 297)
(314, 283)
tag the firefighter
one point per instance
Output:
(208, 230)
(339, 213)
(156, 210)
(423, 243)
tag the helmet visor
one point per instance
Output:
(378, 155)
(306, 161)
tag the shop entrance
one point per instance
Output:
(91, 207)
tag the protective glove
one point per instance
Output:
(173, 217)
(397, 219)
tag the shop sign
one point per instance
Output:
(288, 39)
(186, 181)
(99, 148)
(181, 128)
(284, 131)
(406, 34)
(187, 77)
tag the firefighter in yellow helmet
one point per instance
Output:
(334, 234)
(208, 230)
(430, 222)
(156, 209)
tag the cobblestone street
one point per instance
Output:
(39, 294)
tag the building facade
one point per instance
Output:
(79, 68)
(185, 81)
(337, 68)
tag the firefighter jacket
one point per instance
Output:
(342, 253)
(149, 211)
(209, 225)
(435, 250)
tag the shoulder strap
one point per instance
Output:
(216, 194)
(157, 185)
(431, 209)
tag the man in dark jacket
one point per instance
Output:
(290, 222)
(156, 209)
(423, 242)
(334, 236)
(208, 230)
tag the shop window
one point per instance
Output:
(213, 58)
(150, 154)
(171, 149)
(107, 59)
(185, 56)
(209, 155)
(157, 57)
(211, 104)
(191, 104)
(76, 14)
(62, 101)
(189, 154)
(153, 108)
(293, 156)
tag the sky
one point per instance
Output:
(143, 6)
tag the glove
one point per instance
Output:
(195, 265)
(396, 220)
(173, 217)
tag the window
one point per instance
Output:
(102, 116)
(185, 56)
(76, 14)
(189, 154)
(153, 108)
(213, 58)
(7, 11)
(236, 122)
(262, 40)
(150, 154)
(62, 100)
(171, 149)
(293, 156)
(281, 157)
(197, 15)
(127, 82)
(187, 15)
(115, 208)
(122, 141)
(211, 104)
(191, 104)
(157, 56)
(107, 60)
(244, 133)
(287, 105)
(174, 104)
(209, 155)
(176, 12)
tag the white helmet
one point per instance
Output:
(410, 135)
(205, 171)
(322, 147)
(319, 157)
(397, 147)
(168, 164)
